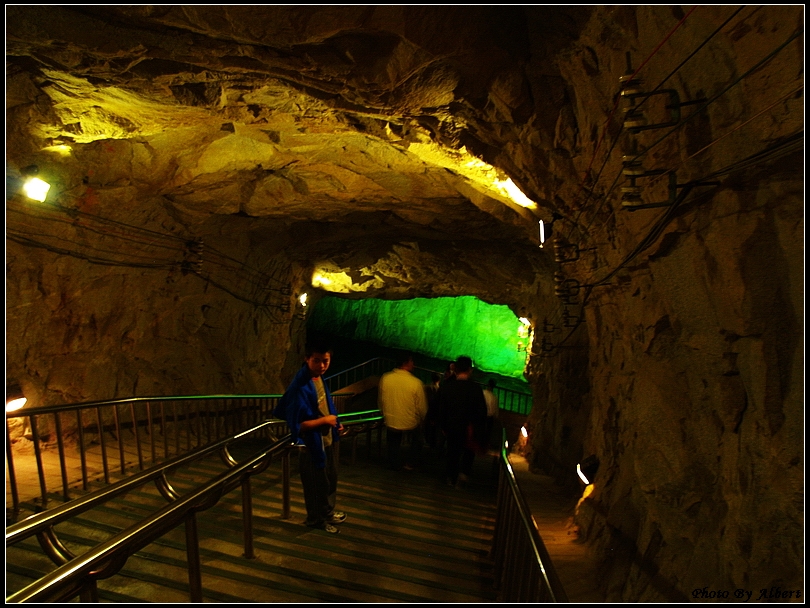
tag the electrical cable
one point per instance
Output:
(132, 259)
(788, 145)
(618, 135)
(661, 223)
(734, 83)
(30, 235)
(102, 219)
(644, 244)
(761, 63)
(655, 179)
(103, 233)
(692, 54)
(616, 105)
(27, 241)
(143, 237)
(30, 242)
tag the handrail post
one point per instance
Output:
(164, 430)
(151, 431)
(103, 446)
(60, 442)
(193, 555)
(137, 436)
(40, 466)
(285, 484)
(247, 518)
(82, 452)
(12, 476)
(89, 592)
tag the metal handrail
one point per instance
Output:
(158, 428)
(508, 399)
(523, 568)
(79, 575)
(349, 376)
(38, 522)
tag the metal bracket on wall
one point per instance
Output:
(635, 202)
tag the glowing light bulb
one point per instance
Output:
(15, 404)
(36, 189)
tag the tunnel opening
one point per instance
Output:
(436, 330)
(440, 328)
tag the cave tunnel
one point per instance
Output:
(439, 329)
(628, 179)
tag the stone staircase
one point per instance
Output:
(408, 538)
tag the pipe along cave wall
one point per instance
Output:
(207, 162)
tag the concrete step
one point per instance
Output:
(408, 538)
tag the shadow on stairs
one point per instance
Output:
(408, 538)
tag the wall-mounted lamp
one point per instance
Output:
(14, 397)
(587, 469)
(301, 310)
(525, 328)
(34, 188)
(542, 226)
(546, 228)
(521, 442)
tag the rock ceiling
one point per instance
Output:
(383, 138)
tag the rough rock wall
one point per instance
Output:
(93, 325)
(686, 380)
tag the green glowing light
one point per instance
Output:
(443, 328)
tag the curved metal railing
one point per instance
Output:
(509, 400)
(120, 436)
(40, 522)
(78, 575)
(523, 568)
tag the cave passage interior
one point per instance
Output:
(603, 202)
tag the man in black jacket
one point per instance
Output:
(463, 412)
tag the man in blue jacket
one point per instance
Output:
(311, 416)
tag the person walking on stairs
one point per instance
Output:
(311, 416)
(403, 402)
(463, 415)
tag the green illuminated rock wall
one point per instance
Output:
(444, 328)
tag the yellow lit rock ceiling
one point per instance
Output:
(361, 119)
(207, 161)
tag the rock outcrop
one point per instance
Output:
(205, 161)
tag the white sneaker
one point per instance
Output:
(337, 517)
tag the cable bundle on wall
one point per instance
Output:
(106, 242)
(633, 169)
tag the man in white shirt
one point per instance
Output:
(403, 402)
